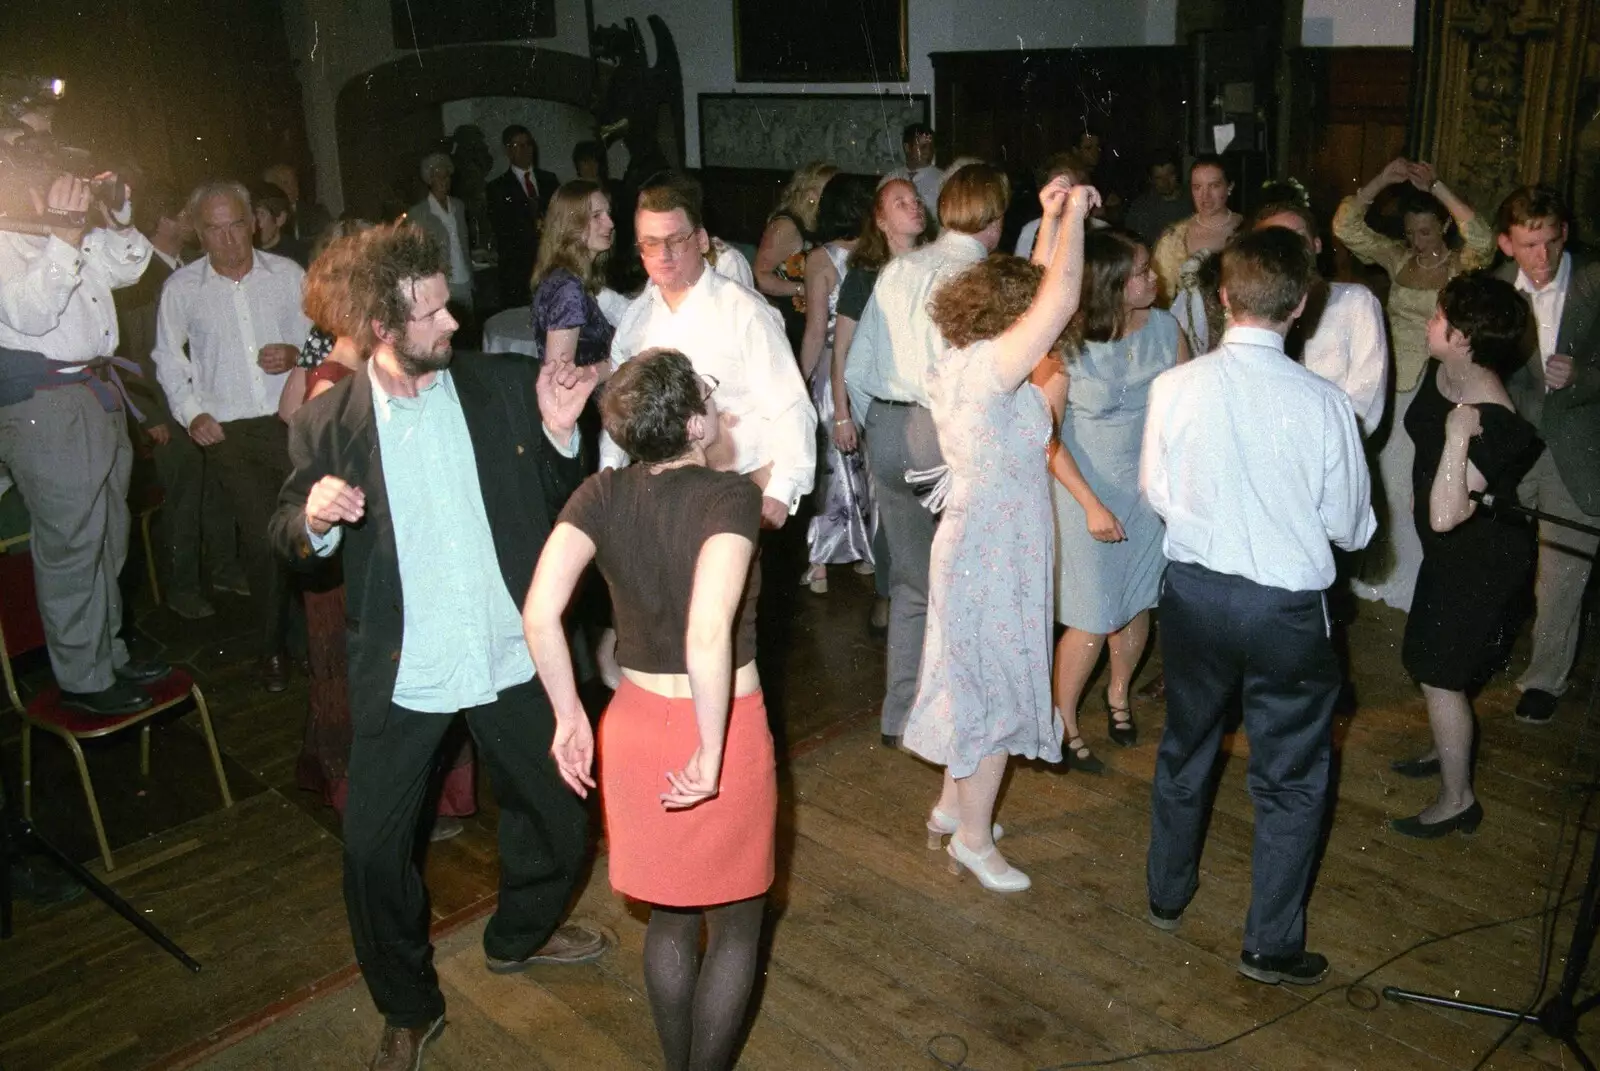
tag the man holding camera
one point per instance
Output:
(64, 436)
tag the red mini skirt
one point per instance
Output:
(713, 853)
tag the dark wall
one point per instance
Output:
(183, 89)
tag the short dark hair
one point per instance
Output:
(387, 259)
(668, 191)
(1415, 202)
(1529, 204)
(843, 208)
(912, 131)
(1267, 273)
(154, 205)
(1491, 314)
(1282, 205)
(589, 150)
(271, 197)
(648, 403)
(513, 130)
(1163, 159)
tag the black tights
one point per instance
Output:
(699, 1005)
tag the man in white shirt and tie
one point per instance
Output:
(886, 376)
(1255, 464)
(237, 311)
(1558, 392)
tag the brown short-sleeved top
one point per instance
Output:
(648, 529)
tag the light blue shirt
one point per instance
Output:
(463, 641)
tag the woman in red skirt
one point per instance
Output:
(687, 776)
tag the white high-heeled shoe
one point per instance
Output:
(941, 825)
(1008, 880)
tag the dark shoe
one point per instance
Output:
(233, 583)
(1466, 821)
(400, 1048)
(1121, 729)
(1299, 968)
(1155, 688)
(274, 672)
(445, 827)
(42, 884)
(1165, 918)
(1415, 767)
(1079, 757)
(890, 742)
(878, 623)
(114, 702)
(1536, 707)
(141, 671)
(189, 605)
(570, 944)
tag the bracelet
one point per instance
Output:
(842, 423)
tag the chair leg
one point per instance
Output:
(94, 805)
(150, 556)
(144, 750)
(211, 742)
(27, 771)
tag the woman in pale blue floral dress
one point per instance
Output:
(984, 689)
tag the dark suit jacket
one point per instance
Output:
(1568, 419)
(137, 306)
(524, 480)
(516, 221)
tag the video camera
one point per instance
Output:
(31, 158)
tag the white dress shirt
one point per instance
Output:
(895, 341)
(732, 264)
(1549, 305)
(1255, 464)
(730, 333)
(225, 324)
(1350, 349)
(460, 270)
(56, 300)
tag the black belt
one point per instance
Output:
(902, 405)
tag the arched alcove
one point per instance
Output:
(387, 118)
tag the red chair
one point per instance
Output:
(22, 631)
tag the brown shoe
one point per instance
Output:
(400, 1048)
(274, 673)
(569, 944)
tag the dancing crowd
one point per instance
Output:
(1033, 456)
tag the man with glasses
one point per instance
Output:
(517, 198)
(227, 334)
(733, 337)
(438, 481)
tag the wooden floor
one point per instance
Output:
(878, 957)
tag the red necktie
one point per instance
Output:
(527, 184)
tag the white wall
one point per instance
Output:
(335, 40)
(558, 127)
(1357, 23)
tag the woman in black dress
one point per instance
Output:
(1476, 564)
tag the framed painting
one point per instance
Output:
(820, 41)
(857, 132)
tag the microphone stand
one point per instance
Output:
(1560, 1014)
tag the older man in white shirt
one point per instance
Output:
(64, 439)
(237, 313)
(734, 340)
(885, 374)
(1256, 465)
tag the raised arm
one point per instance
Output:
(567, 553)
(1019, 349)
(1477, 238)
(720, 574)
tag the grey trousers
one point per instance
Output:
(1565, 558)
(901, 438)
(71, 461)
(194, 518)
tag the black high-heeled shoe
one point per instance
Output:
(1123, 732)
(1465, 822)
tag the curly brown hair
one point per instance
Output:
(985, 300)
(326, 296)
(388, 262)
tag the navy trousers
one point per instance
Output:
(1224, 636)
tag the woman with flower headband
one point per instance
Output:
(1418, 267)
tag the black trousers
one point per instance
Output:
(253, 462)
(543, 839)
(1224, 636)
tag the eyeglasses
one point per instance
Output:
(710, 385)
(673, 244)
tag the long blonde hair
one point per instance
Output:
(566, 222)
(802, 195)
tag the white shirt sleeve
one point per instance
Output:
(731, 264)
(790, 417)
(174, 370)
(1152, 451)
(123, 255)
(1346, 507)
(612, 455)
(33, 302)
(324, 545)
(1368, 377)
